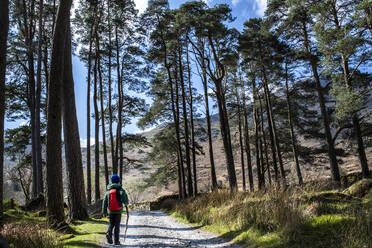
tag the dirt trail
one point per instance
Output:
(157, 229)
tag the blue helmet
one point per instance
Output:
(115, 178)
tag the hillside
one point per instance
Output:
(136, 173)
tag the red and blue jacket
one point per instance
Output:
(114, 200)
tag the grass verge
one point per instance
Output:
(28, 230)
(291, 219)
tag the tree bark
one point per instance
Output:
(224, 121)
(27, 30)
(178, 131)
(186, 126)
(181, 178)
(241, 138)
(293, 135)
(209, 129)
(102, 111)
(110, 88)
(74, 164)
(193, 149)
(89, 178)
(256, 120)
(118, 128)
(55, 211)
(38, 158)
(265, 146)
(96, 132)
(4, 27)
(121, 149)
(247, 145)
(271, 119)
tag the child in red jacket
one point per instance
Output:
(112, 205)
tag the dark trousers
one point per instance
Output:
(114, 224)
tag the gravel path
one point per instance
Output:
(157, 229)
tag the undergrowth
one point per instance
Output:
(25, 235)
(298, 217)
(23, 229)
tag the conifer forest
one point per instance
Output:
(254, 124)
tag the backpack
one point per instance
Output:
(115, 203)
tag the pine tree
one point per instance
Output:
(55, 211)
(74, 165)
(294, 20)
(4, 26)
(336, 38)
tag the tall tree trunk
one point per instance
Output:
(102, 111)
(323, 108)
(178, 131)
(89, 178)
(293, 135)
(38, 158)
(96, 132)
(55, 211)
(261, 137)
(118, 128)
(181, 174)
(181, 184)
(271, 119)
(45, 64)
(179, 177)
(121, 149)
(193, 149)
(27, 28)
(272, 144)
(113, 159)
(247, 144)
(241, 138)
(209, 129)
(265, 146)
(186, 125)
(28, 33)
(256, 120)
(224, 120)
(4, 26)
(74, 164)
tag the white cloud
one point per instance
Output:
(235, 2)
(260, 7)
(83, 142)
(24, 123)
(207, 1)
(141, 5)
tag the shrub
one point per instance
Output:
(29, 236)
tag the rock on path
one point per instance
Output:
(157, 229)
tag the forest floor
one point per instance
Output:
(157, 229)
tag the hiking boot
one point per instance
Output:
(109, 239)
(117, 243)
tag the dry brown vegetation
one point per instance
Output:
(310, 216)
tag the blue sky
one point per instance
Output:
(241, 9)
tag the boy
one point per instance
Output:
(112, 205)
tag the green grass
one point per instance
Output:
(80, 233)
(284, 220)
(87, 233)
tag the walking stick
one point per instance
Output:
(126, 228)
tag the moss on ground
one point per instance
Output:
(87, 233)
(80, 233)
